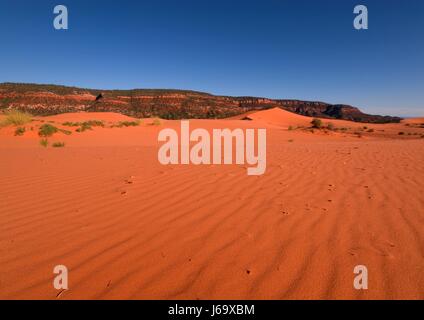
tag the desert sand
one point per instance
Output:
(128, 227)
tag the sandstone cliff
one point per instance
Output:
(167, 104)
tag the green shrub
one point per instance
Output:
(16, 118)
(316, 123)
(58, 144)
(44, 142)
(330, 126)
(20, 131)
(47, 130)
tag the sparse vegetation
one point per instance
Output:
(94, 123)
(16, 118)
(370, 130)
(71, 124)
(47, 130)
(401, 133)
(291, 128)
(330, 126)
(316, 123)
(20, 131)
(84, 127)
(58, 144)
(44, 142)
(127, 124)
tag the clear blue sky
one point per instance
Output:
(303, 49)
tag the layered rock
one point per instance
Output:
(167, 104)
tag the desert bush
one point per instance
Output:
(330, 126)
(401, 133)
(58, 144)
(316, 123)
(44, 142)
(16, 118)
(47, 130)
(20, 131)
(370, 130)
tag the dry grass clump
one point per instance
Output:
(316, 123)
(16, 118)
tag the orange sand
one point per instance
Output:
(128, 227)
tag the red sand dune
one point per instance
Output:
(128, 227)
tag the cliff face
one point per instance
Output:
(167, 104)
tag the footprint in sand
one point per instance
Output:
(128, 181)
